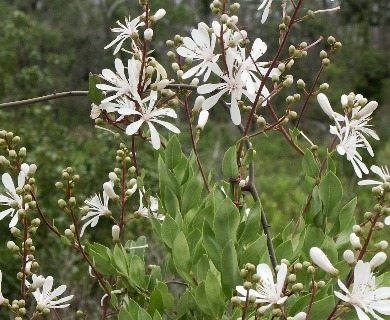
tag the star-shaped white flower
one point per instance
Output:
(199, 48)
(129, 30)
(122, 84)
(365, 296)
(349, 142)
(382, 172)
(98, 206)
(150, 114)
(266, 5)
(11, 198)
(48, 298)
(233, 84)
(266, 290)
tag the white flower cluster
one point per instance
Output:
(243, 73)
(352, 128)
(126, 94)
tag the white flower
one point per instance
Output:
(125, 31)
(47, 298)
(122, 85)
(321, 260)
(365, 295)
(266, 5)
(382, 172)
(249, 66)
(153, 206)
(349, 142)
(266, 290)
(11, 198)
(98, 206)
(38, 281)
(199, 48)
(108, 188)
(149, 115)
(233, 84)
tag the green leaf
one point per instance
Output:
(156, 303)
(309, 164)
(322, 308)
(202, 300)
(229, 163)
(167, 297)
(185, 304)
(331, 193)
(171, 203)
(230, 272)
(345, 217)
(137, 271)
(285, 251)
(173, 153)
(250, 155)
(226, 221)
(314, 238)
(167, 180)
(192, 193)
(294, 134)
(252, 225)
(120, 259)
(214, 295)
(211, 245)
(143, 315)
(124, 314)
(254, 251)
(94, 94)
(169, 230)
(181, 254)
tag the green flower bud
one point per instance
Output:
(325, 62)
(62, 203)
(301, 84)
(331, 40)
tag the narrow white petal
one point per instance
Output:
(154, 136)
(133, 127)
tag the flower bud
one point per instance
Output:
(378, 259)
(349, 256)
(355, 241)
(382, 245)
(38, 281)
(160, 13)
(321, 260)
(198, 103)
(297, 287)
(203, 117)
(301, 84)
(115, 231)
(148, 34)
(300, 316)
(109, 190)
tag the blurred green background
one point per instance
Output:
(49, 46)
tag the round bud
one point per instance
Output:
(250, 267)
(252, 298)
(331, 40)
(79, 314)
(324, 86)
(325, 62)
(292, 278)
(301, 84)
(337, 45)
(244, 273)
(256, 278)
(170, 43)
(297, 97)
(291, 50)
(276, 312)
(297, 287)
(288, 82)
(356, 228)
(310, 269)
(281, 67)
(247, 285)
(12, 153)
(321, 284)
(235, 300)
(323, 54)
(22, 152)
(368, 215)
(298, 266)
(290, 100)
(290, 64)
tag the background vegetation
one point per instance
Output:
(51, 46)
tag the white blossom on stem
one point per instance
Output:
(122, 84)
(11, 198)
(349, 142)
(266, 290)
(129, 30)
(382, 172)
(266, 5)
(365, 297)
(233, 84)
(47, 298)
(98, 206)
(199, 48)
(150, 114)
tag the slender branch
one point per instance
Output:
(194, 144)
(44, 98)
